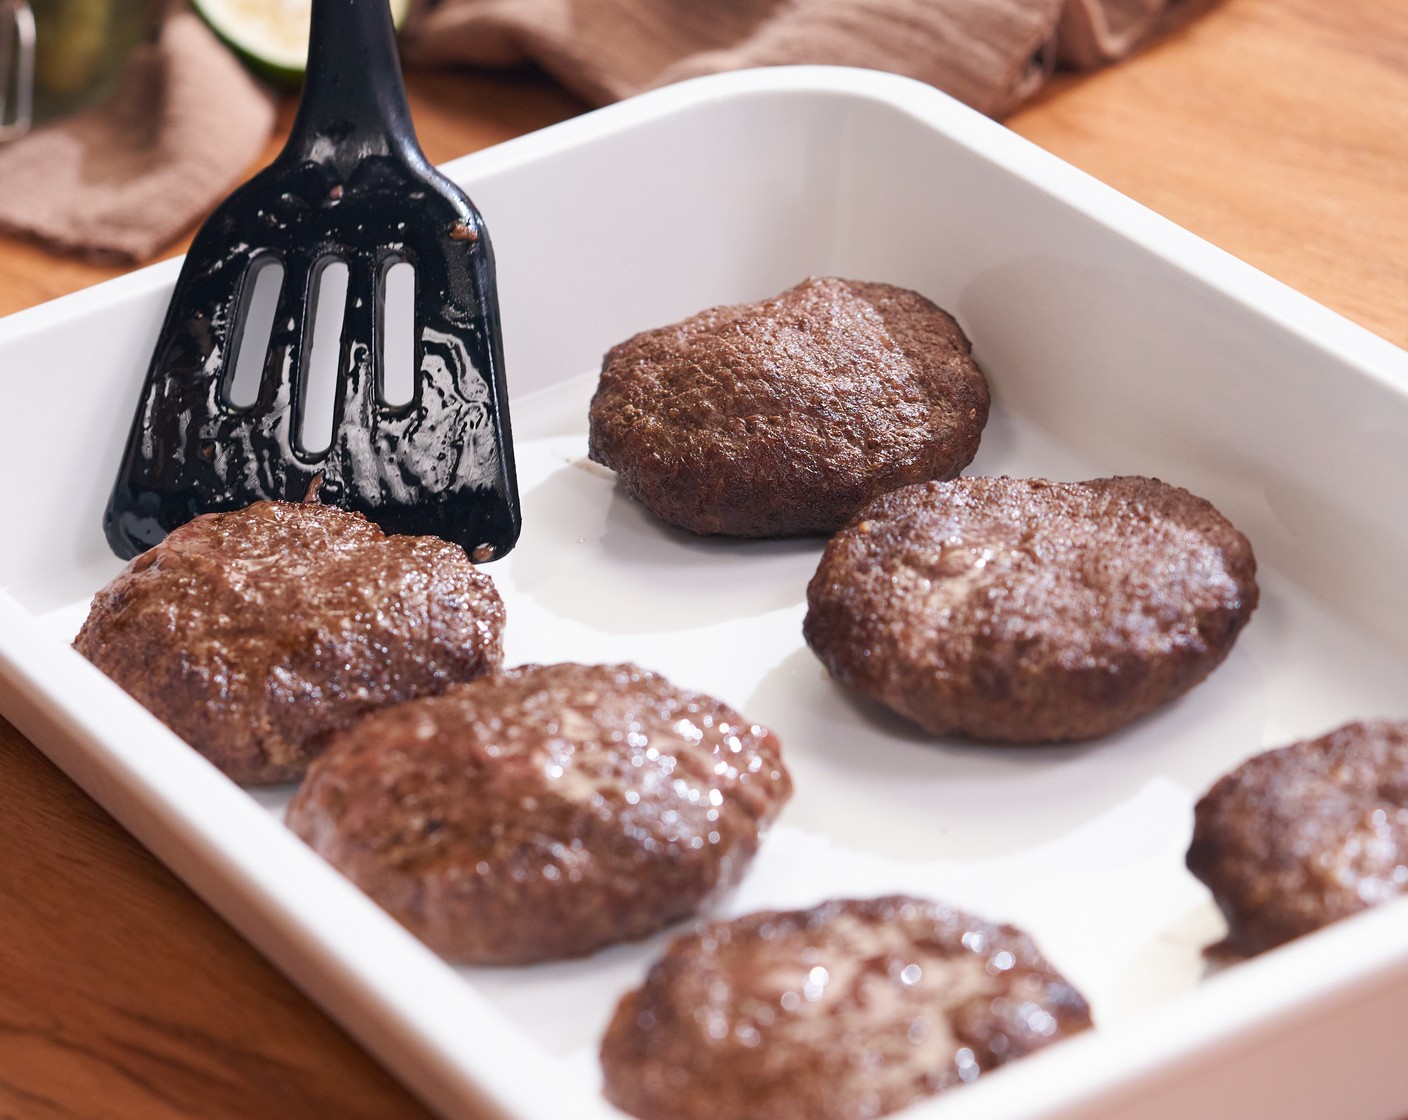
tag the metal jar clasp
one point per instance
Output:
(16, 68)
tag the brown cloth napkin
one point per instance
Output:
(121, 181)
(991, 54)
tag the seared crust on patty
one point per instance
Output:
(783, 417)
(545, 812)
(846, 1011)
(252, 634)
(1301, 836)
(1024, 610)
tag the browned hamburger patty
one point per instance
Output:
(545, 812)
(783, 417)
(1301, 836)
(846, 1011)
(253, 634)
(1023, 610)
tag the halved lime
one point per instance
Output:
(271, 35)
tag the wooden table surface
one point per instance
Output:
(1276, 129)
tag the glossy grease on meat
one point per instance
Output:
(545, 812)
(846, 1011)
(1301, 836)
(1024, 610)
(783, 417)
(255, 633)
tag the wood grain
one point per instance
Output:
(1276, 129)
(122, 996)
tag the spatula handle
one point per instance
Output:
(354, 98)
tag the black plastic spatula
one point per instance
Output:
(351, 185)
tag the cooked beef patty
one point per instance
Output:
(846, 1011)
(1023, 610)
(545, 812)
(253, 634)
(1301, 836)
(783, 417)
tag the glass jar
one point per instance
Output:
(58, 56)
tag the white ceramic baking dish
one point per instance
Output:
(1115, 343)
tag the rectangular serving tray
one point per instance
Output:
(1115, 343)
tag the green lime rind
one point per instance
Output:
(270, 36)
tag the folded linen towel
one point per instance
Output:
(991, 54)
(122, 181)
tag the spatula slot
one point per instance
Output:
(398, 338)
(251, 339)
(319, 388)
